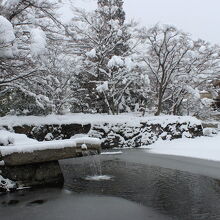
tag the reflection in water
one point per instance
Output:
(58, 205)
(182, 195)
(98, 178)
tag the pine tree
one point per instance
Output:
(114, 10)
(103, 41)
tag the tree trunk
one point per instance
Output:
(159, 105)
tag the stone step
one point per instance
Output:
(15, 156)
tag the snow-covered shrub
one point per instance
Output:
(16, 102)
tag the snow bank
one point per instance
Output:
(200, 147)
(78, 118)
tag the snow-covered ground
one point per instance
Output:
(201, 147)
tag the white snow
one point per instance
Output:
(6, 184)
(111, 152)
(114, 24)
(9, 138)
(194, 92)
(79, 136)
(22, 144)
(145, 79)
(207, 101)
(7, 38)
(129, 63)
(115, 61)
(91, 53)
(103, 87)
(38, 42)
(49, 136)
(201, 147)
(210, 132)
(10, 4)
(80, 118)
(6, 31)
(119, 33)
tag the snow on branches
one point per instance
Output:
(38, 42)
(7, 39)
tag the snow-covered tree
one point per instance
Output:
(103, 42)
(59, 83)
(177, 66)
(201, 67)
(32, 26)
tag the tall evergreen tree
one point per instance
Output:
(114, 10)
(103, 41)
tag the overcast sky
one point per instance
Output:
(201, 18)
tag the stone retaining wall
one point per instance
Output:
(123, 135)
(113, 134)
(50, 132)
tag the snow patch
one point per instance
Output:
(103, 87)
(201, 147)
(91, 53)
(115, 61)
(38, 42)
(7, 37)
(111, 153)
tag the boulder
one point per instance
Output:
(43, 174)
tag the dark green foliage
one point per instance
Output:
(119, 14)
(16, 102)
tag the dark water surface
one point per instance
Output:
(142, 186)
